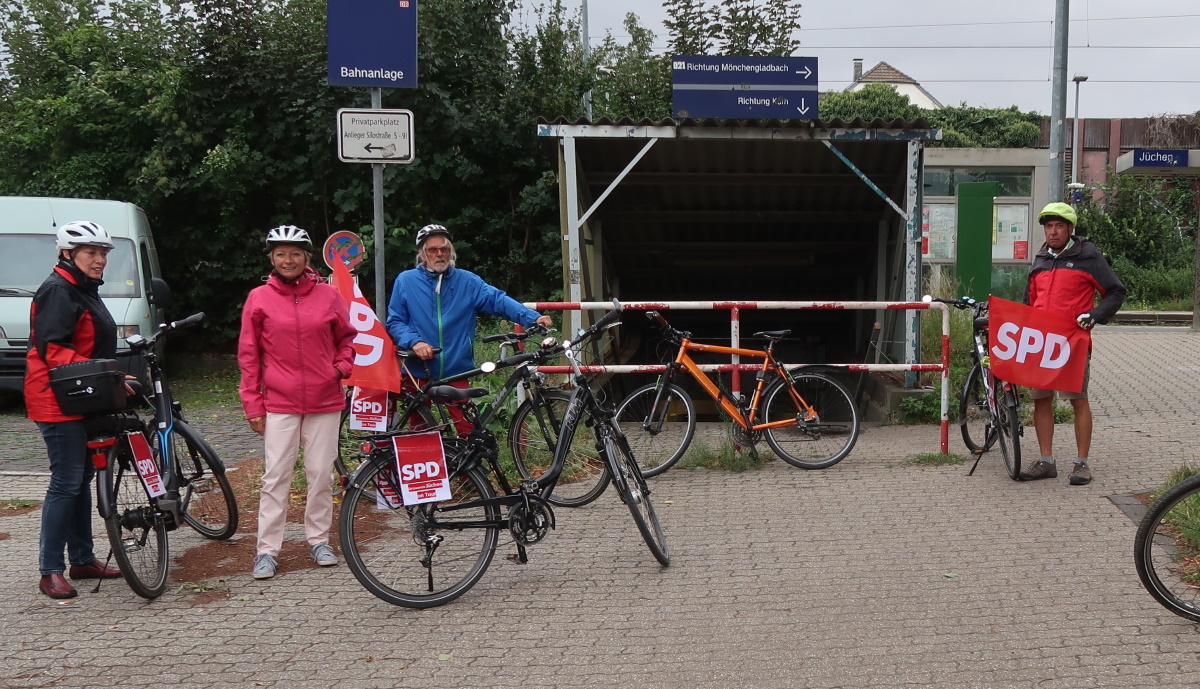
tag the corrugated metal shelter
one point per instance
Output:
(742, 210)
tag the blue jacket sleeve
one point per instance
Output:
(398, 320)
(495, 302)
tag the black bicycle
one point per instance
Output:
(428, 554)
(1166, 550)
(155, 473)
(989, 409)
(532, 431)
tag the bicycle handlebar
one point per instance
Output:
(509, 338)
(186, 322)
(960, 303)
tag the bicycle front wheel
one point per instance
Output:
(634, 492)
(350, 454)
(817, 440)
(1008, 421)
(205, 496)
(660, 436)
(423, 555)
(136, 529)
(1166, 549)
(974, 419)
(533, 436)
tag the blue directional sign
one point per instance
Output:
(372, 43)
(744, 87)
(1147, 157)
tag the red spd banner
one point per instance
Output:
(375, 363)
(147, 468)
(421, 467)
(1036, 348)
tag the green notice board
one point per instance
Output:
(975, 236)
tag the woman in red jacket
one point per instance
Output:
(67, 323)
(294, 350)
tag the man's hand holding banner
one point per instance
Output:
(1036, 348)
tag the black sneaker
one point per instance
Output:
(1039, 470)
(1081, 474)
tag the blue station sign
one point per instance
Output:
(372, 43)
(744, 87)
(1150, 157)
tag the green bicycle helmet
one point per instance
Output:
(1058, 210)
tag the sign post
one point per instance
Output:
(1147, 161)
(374, 44)
(744, 87)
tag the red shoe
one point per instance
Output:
(94, 570)
(55, 586)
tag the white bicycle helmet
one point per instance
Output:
(432, 231)
(83, 233)
(288, 234)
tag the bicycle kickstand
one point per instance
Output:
(978, 456)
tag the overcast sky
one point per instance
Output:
(1141, 58)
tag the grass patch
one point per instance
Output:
(205, 380)
(12, 505)
(935, 459)
(725, 457)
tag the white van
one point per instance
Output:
(27, 255)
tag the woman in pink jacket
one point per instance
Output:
(294, 350)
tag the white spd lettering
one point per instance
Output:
(419, 471)
(374, 351)
(146, 467)
(367, 407)
(1018, 343)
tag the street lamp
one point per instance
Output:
(1076, 162)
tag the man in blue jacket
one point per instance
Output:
(435, 305)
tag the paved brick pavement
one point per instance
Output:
(871, 573)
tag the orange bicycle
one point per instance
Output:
(808, 418)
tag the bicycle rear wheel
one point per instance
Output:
(205, 497)
(974, 419)
(1166, 549)
(136, 529)
(419, 556)
(658, 437)
(632, 488)
(1008, 421)
(584, 475)
(815, 443)
(350, 454)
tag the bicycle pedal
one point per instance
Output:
(519, 558)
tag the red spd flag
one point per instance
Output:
(1036, 348)
(375, 363)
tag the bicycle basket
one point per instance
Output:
(89, 388)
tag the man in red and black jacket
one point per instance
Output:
(68, 322)
(1067, 274)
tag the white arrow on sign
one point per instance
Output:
(807, 72)
(803, 108)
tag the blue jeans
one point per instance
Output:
(67, 510)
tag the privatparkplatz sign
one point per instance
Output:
(744, 87)
(374, 136)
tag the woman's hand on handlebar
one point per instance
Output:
(545, 321)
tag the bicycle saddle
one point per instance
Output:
(981, 323)
(774, 334)
(448, 393)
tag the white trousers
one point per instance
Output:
(284, 435)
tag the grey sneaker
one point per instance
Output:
(1039, 470)
(323, 554)
(1081, 475)
(264, 566)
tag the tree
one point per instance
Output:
(733, 27)
(873, 100)
(632, 80)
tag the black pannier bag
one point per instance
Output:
(89, 388)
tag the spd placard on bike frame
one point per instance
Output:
(369, 410)
(147, 468)
(421, 467)
(387, 492)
